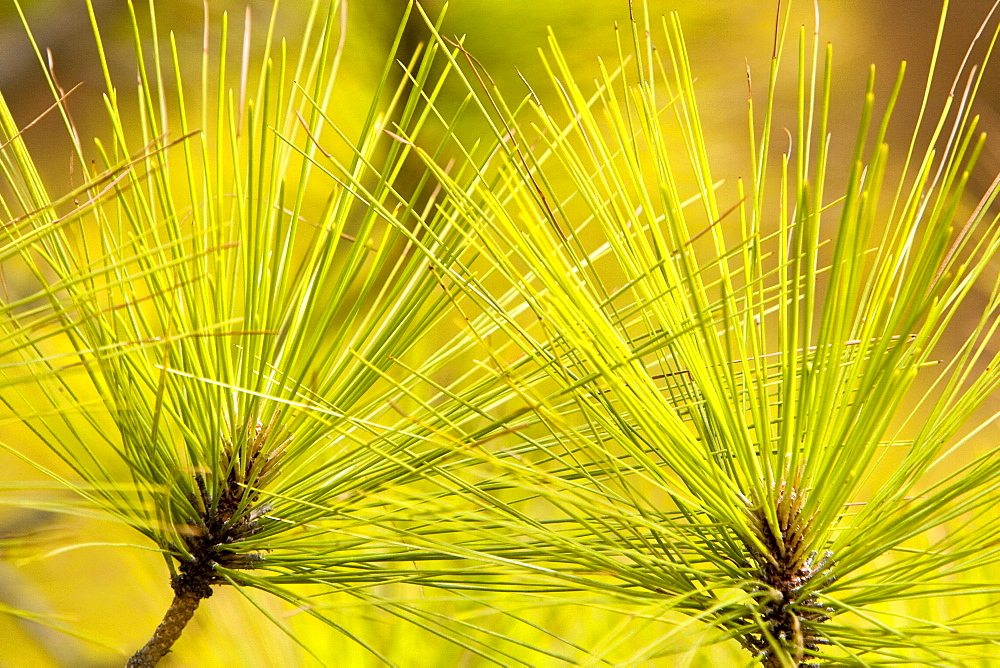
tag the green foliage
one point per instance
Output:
(712, 386)
(706, 411)
(210, 344)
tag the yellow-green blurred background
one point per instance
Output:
(119, 592)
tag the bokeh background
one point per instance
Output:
(118, 592)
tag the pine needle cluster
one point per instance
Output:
(568, 366)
